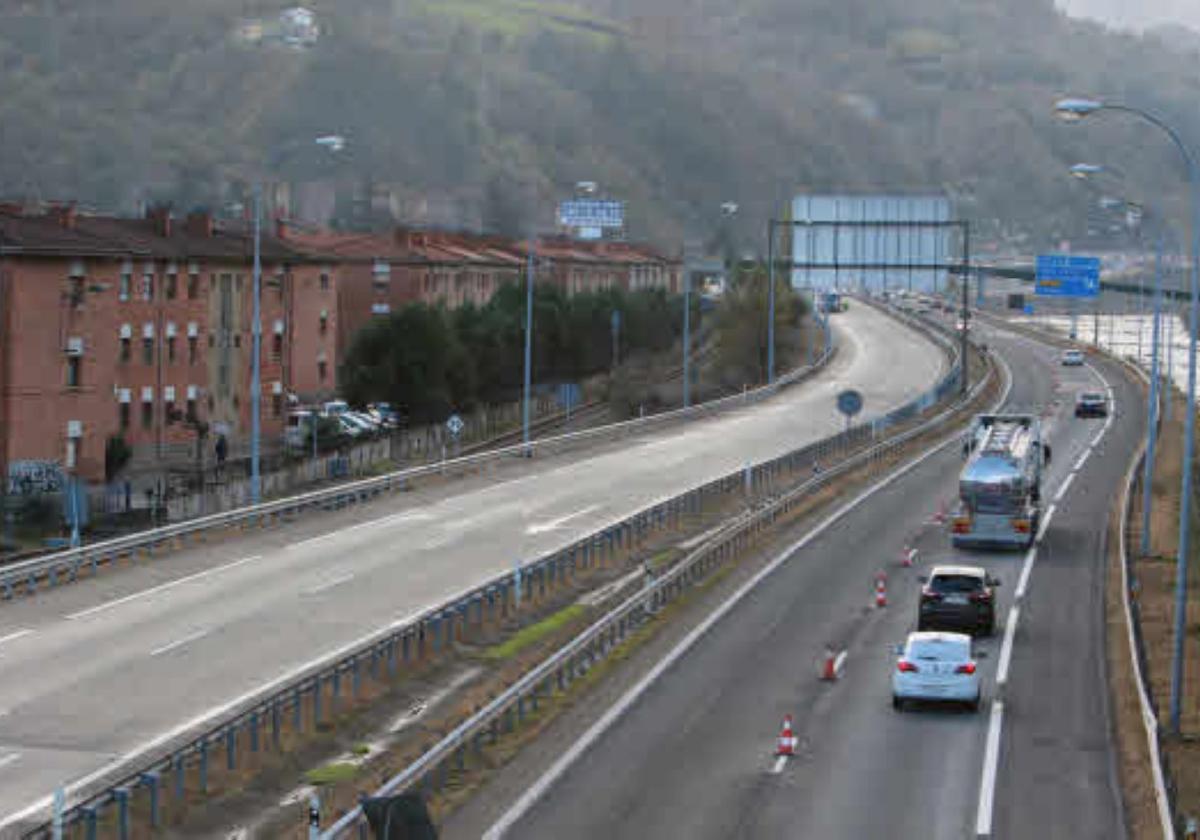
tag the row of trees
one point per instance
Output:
(428, 361)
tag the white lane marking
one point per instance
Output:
(12, 637)
(1023, 583)
(839, 662)
(585, 742)
(1010, 630)
(1096, 440)
(154, 590)
(178, 643)
(780, 763)
(991, 761)
(9, 759)
(1064, 487)
(1045, 522)
(1082, 460)
(329, 584)
(542, 527)
(407, 516)
(438, 542)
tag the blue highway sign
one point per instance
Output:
(1060, 275)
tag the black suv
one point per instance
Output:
(1091, 404)
(958, 598)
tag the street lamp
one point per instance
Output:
(1073, 110)
(1085, 171)
(334, 143)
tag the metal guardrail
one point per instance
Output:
(24, 577)
(611, 630)
(308, 697)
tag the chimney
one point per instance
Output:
(160, 217)
(63, 214)
(200, 223)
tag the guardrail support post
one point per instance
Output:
(276, 723)
(254, 732)
(122, 797)
(204, 765)
(231, 748)
(150, 781)
(355, 678)
(297, 710)
(317, 701)
(89, 823)
(337, 687)
(179, 775)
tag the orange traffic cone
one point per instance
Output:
(881, 591)
(908, 556)
(787, 738)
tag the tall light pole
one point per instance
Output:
(529, 278)
(334, 143)
(1077, 109)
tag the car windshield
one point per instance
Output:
(938, 649)
(950, 583)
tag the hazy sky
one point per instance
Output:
(1137, 13)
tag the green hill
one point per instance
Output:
(488, 111)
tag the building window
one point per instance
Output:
(171, 349)
(169, 411)
(324, 282)
(277, 404)
(147, 286)
(191, 410)
(75, 291)
(277, 347)
(126, 285)
(74, 371)
(172, 286)
(125, 342)
(123, 416)
(147, 415)
(192, 342)
(322, 370)
(193, 286)
(148, 351)
(324, 328)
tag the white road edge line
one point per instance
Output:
(408, 515)
(178, 643)
(12, 637)
(542, 527)
(1045, 522)
(1063, 488)
(9, 759)
(538, 788)
(1010, 630)
(107, 605)
(780, 763)
(1082, 460)
(1023, 583)
(839, 662)
(991, 762)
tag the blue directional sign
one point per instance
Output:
(1060, 275)
(850, 402)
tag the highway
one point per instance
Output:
(692, 756)
(99, 671)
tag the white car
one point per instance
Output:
(1072, 358)
(938, 667)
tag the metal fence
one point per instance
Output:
(184, 768)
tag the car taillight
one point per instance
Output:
(1021, 526)
(962, 525)
(981, 597)
(907, 667)
(928, 594)
(969, 668)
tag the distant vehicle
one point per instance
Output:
(335, 407)
(959, 598)
(298, 432)
(1091, 404)
(1000, 488)
(367, 425)
(832, 302)
(1072, 358)
(960, 325)
(936, 666)
(349, 426)
(385, 414)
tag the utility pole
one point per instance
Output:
(528, 345)
(966, 308)
(770, 302)
(687, 340)
(1152, 401)
(256, 355)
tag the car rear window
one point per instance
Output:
(1091, 397)
(946, 584)
(939, 649)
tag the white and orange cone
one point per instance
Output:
(829, 666)
(881, 591)
(787, 738)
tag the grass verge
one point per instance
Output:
(534, 633)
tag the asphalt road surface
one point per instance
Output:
(693, 757)
(96, 672)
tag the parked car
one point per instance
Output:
(937, 667)
(1072, 358)
(366, 426)
(349, 426)
(1091, 404)
(335, 407)
(958, 598)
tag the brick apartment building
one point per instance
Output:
(141, 328)
(136, 327)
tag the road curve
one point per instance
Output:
(98, 670)
(693, 757)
